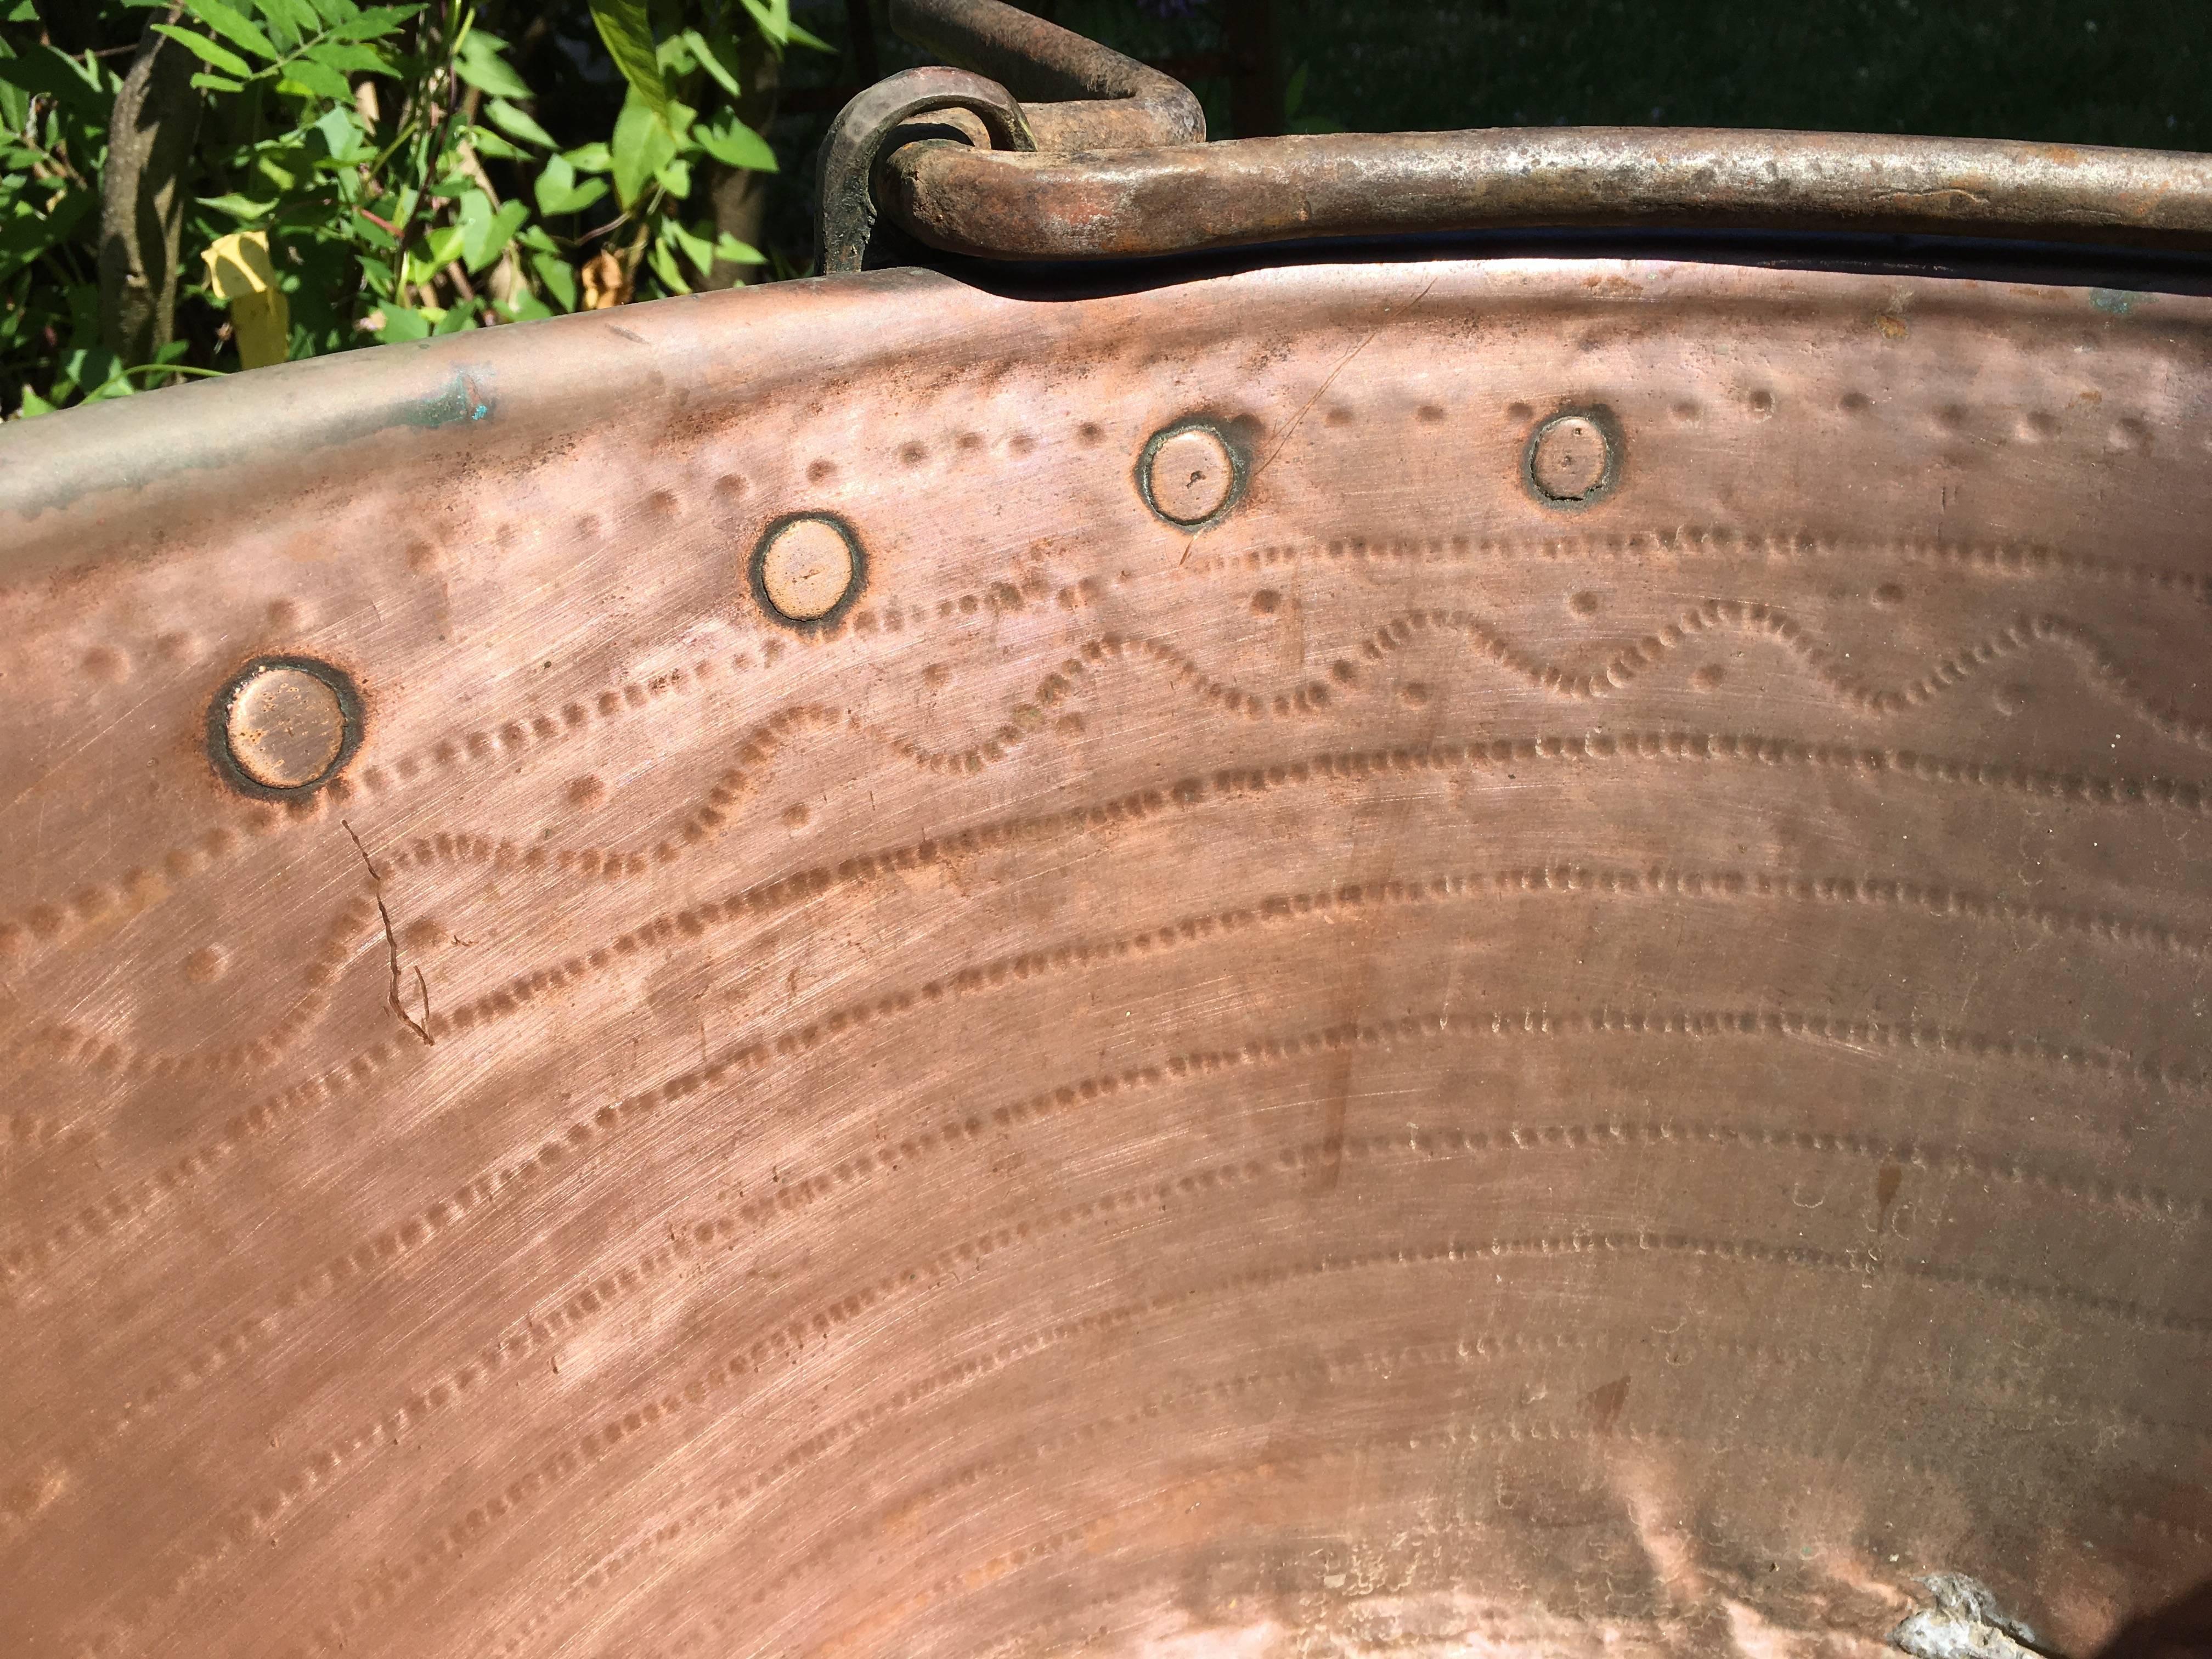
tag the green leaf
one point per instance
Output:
(734, 143)
(559, 277)
(441, 247)
(41, 68)
(674, 178)
(481, 65)
(242, 208)
(289, 21)
(517, 124)
(584, 195)
(488, 142)
(399, 325)
(590, 158)
(367, 230)
(23, 226)
(663, 262)
(525, 308)
(643, 145)
(29, 231)
(207, 52)
(92, 368)
(33, 404)
(340, 133)
(216, 83)
(773, 19)
(710, 62)
(731, 252)
(627, 32)
(457, 319)
(233, 25)
(695, 245)
(372, 24)
(473, 217)
(351, 60)
(316, 79)
(558, 192)
(283, 166)
(484, 245)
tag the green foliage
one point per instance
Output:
(395, 156)
(56, 111)
(627, 32)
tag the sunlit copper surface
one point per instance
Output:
(1416, 1068)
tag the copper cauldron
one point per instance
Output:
(1323, 897)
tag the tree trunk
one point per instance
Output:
(740, 197)
(149, 141)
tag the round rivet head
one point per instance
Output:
(1190, 474)
(284, 724)
(807, 568)
(1572, 458)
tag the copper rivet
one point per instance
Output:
(806, 568)
(1570, 460)
(285, 726)
(1189, 474)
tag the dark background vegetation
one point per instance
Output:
(2129, 73)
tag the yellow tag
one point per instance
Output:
(239, 272)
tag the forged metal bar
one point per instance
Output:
(1081, 96)
(845, 213)
(1049, 207)
(1145, 183)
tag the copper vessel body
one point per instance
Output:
(1489, 1046)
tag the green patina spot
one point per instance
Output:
(2116, 301)
(466, 397)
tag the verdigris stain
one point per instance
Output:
(466, 397)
